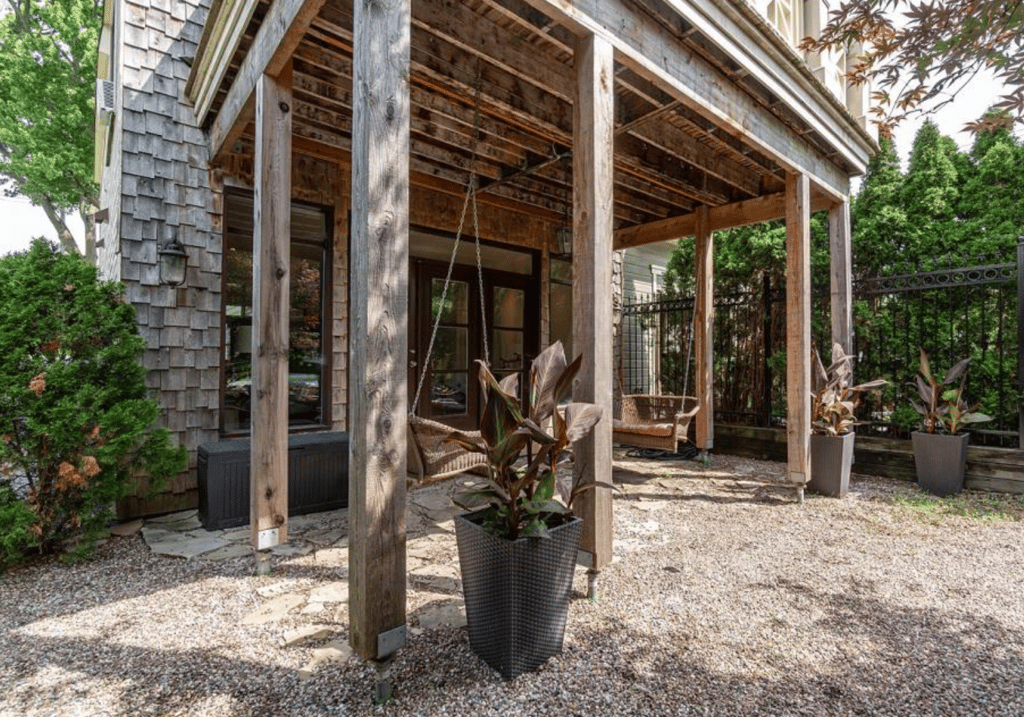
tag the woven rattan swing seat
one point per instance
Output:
(649, 421)
(432, 458)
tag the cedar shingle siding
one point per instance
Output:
(158, 171)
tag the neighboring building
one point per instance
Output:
(638, 368)
(176, 158)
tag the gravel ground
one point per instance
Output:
(726, 598)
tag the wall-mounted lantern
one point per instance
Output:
(173, 260)
(563, 235)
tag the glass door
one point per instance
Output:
(508, 336)
(449, 390)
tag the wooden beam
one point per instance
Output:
(735, 29)
(749, 211)
(279, 34)
(426, 180)
(230, 24)
(703, 324)
(840, 273)
(665, 135)
(798, 330)
(270, 294)
(593, 123)
(518, 97)
(378, 349)
(656, 53)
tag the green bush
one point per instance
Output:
(76, 421)
(16, 520)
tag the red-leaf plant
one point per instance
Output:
(945, 409)
(833, 399)
(520, 496)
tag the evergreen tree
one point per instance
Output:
(993, 200)
(984, 141)
(930, 197)
(877, 217)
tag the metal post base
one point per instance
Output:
(262, 562)
(383, 688)
(592, 584)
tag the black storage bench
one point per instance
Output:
(317, 478)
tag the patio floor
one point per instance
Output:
(726, 598)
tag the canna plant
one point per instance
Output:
(526, 498)
(944, 409)
(833, 399)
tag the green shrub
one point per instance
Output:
(76, 421)
(16, 520)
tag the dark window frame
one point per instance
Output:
(326, 317)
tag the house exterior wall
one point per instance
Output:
(107, 166)
(639, 354)
(643, 269)
(157, 180)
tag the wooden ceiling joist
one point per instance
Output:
(500, 73)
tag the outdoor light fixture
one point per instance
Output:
(173, 260)
(564, 237)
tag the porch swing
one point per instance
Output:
(431, 457)
(652, 422)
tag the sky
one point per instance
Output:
(21, 222)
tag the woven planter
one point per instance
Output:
(940, 461)
(831, 457)
(517, 593)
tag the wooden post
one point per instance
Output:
(379, 291)
(703, 325)
(798, 330)
(841, 279)
(268, 511)
(592, 283)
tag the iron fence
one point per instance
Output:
(953, 313)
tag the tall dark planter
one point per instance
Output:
(940, 461)
(517, 593)
(831, 458)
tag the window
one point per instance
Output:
(657, 278)
(308, 288)
(787, 16)
(560, 305)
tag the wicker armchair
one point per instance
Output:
(659, 422)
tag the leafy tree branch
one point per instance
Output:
(48, 54)
(921, 53)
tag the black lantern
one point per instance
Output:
(173, 260)
(564, 236)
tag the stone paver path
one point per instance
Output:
(321, 541)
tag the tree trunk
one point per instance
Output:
(64, 235)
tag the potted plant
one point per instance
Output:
(517, 550)
(940, 450)
(833, 401)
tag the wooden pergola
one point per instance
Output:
(681, 118)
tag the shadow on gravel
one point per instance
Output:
(864, 656)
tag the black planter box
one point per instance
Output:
(940, 461)
(517, 593)
(317, 478)
(831, 458)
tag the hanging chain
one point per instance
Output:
(470, 197)
(480, 278)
